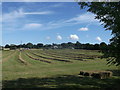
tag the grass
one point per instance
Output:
(63, 81)
(55, 75)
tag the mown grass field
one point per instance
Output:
(55, 69)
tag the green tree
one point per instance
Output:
(64, 45)
(96, 47)
(103, 46)
(29, 45)
(39, 45)
(7, 46)
(109, 14)
(13, 47)
(70, 45)
(77, 45)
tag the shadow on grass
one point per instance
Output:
(115, 72)
(64, 81)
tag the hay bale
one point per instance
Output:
(87, 74)
(81, 73)
(96, 75)
(105, 74)
(102, 74)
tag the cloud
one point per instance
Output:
(16, 15)
(13, 15)
(83, 29)
(32, 26)
(86, 18)
(59, 37)
(39, 13)
(83, 18)
(20, 13)
(99, 39)
(74, 37)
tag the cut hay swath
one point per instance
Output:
(50, 58)
(79, 57)
(57, 56)
(22, 60)
(37, 59)
(72, 55)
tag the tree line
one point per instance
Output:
(68, 45)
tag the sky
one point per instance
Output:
(50, 22)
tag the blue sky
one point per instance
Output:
(50, 22)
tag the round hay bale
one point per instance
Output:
(81, 73)
(96, 75)
(105, 74)
(87, 74)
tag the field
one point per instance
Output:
(55, 69)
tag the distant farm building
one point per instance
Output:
(55, 47)
(6, 49)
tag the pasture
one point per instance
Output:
(55, 69)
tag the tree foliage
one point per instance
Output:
(39, 45)
(7, 46)
(29, 45)
(109, 14)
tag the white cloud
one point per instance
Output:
(99, 39)
(74, 37)
(87, 18)
(83, 29)
(59, 37)
(48, 38)
(83, 18)
(32, 26)
(20, 13)
(39, 13)
(12, 15)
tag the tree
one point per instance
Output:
(23, 46)
(109, 14)
(29, 45)
(7, 46)
(47, 46)
(70, 45)
(39, 45)
(64, 45)
(103, 46)
(96, 47)
(77, 45)
(13, 46)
